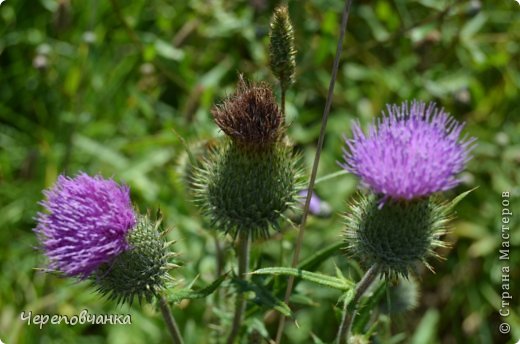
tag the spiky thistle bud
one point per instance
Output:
(140, 272)
(249, 180)
(398, 235)
(281, 49)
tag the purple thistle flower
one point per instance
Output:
(86, 223)
(411, 152)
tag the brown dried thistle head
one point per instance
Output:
(250, 116)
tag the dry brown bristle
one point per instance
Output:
(251, 115)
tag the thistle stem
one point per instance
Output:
(243, 248)
(219, 256)
(325, 117)
(282, 100)
(350, 307)
(170, 321)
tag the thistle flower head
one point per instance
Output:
(281, 48)
(250, 117)
(412, 152)
(86, 223)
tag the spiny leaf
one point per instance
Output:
(329, 281)
(264, 297)
(313, 261)
(190, 294)
(310, 263)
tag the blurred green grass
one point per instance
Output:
(81, 90)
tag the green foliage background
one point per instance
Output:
(82, 90)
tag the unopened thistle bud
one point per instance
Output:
(281, 49)
(249, 180)
(141, 272)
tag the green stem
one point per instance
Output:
(350, 308)
(243, 248)
(170, 321)
(324, 120)
(283, 100)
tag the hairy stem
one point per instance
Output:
(350, 307)
(328, 103)
(243, 248)
(170, 321)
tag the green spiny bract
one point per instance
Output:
(141, 272)
(281, 48)
(247, 190)
(193, 158)
(397, 235)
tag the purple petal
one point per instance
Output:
(86, 223)
(410, 152)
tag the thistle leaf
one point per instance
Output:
(191, 294)
(263, 296)
(311, 262)
(329, 281)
